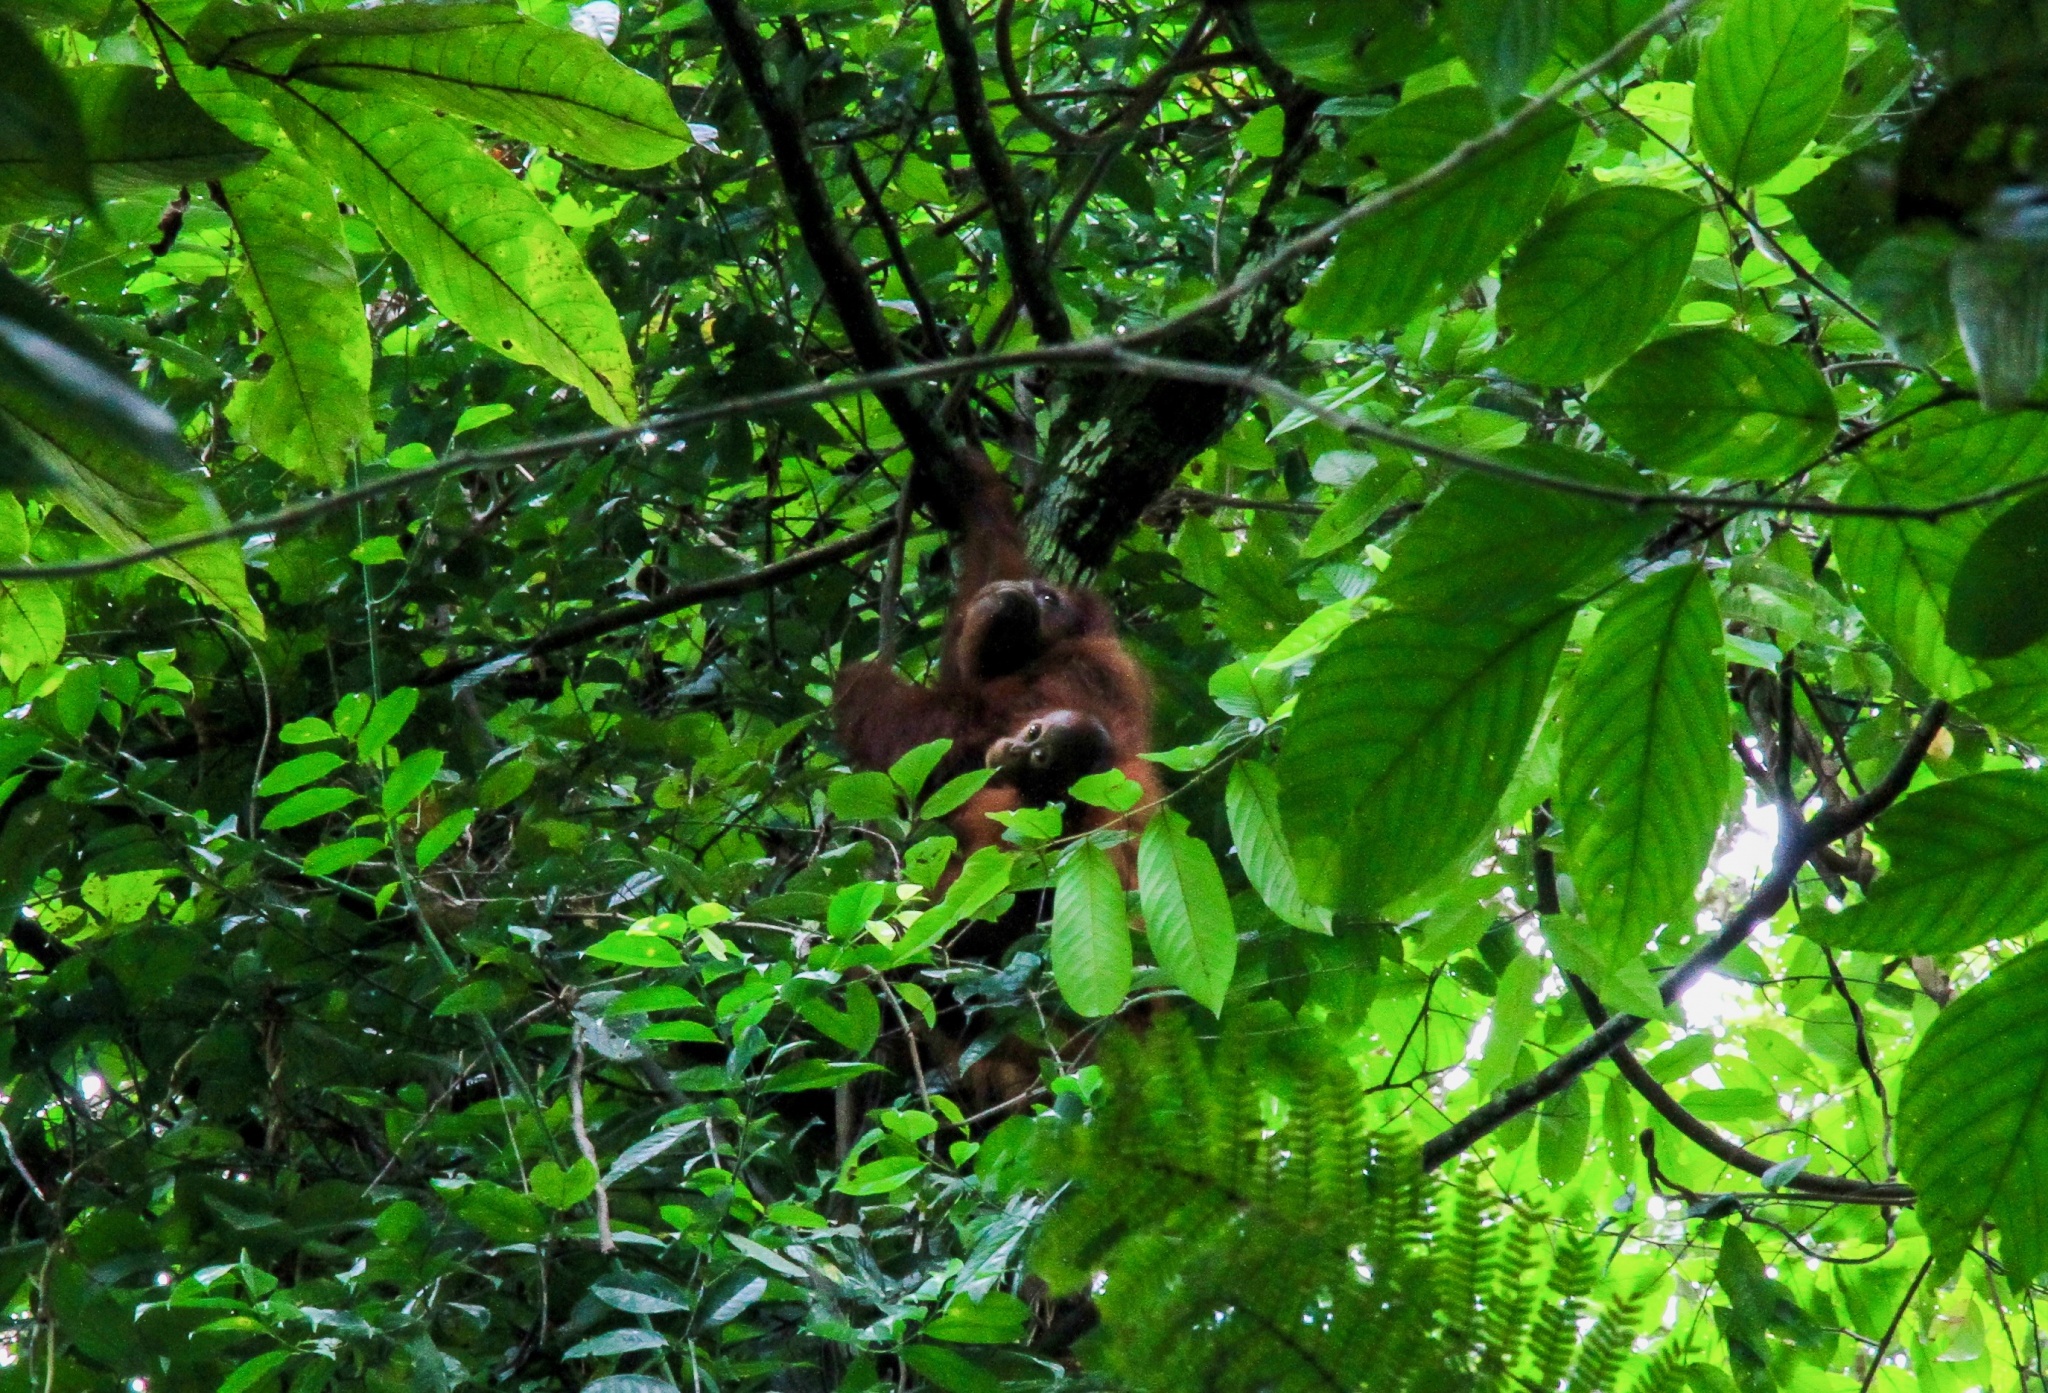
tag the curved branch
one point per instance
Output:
(1027, 105)
(1727, 1149)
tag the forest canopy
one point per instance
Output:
(1573, 473)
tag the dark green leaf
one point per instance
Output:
(42, 139)
(1588, 28)
(306, 805)
(1406, 735)
(1969, 863)
(1713, 403)
(1436, 242)
(1973, 1120)
(1767, 78)
(1846, 210)
(1488, 546)
(1998, 602)
(996, 1319)
(1594, 281)
(1091, 935)
(1563, 1124)
(1348, 45)
(1502, 41)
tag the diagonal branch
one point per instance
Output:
(846, 284)
(1029, 272)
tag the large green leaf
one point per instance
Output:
(1767, 79)
(1644, 772)
(1969, 863)
(1713, 403)
(1252, 800)
(487, 62)
(1434, 244)
(1091, 935)
(311, 407)
(1973, 1120)
(1405, 737)
(1487, 546)
(1594, 281)
(137, 135)
(1187, 913)
(1899, 571)
(1502, 41)
(1998, 602)
(483, 248)
(1349, 45)
(1588, 28)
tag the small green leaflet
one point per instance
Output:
(1187, 912)
(1252, 800)
(442, 836)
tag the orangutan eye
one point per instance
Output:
(1033, 731)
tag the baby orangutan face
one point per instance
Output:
(1043, 758)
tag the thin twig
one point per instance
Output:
(583, 1144)
(1884, 1343)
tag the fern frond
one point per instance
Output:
(1556, 1332)
(1606, 1346)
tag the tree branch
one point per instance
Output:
(608, 621)
(1028, 270)
(846, 284)
(1796, 840)
(1727, 1149)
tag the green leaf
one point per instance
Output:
(1514, 1011)
(1487, 546)
(1430, 247)
(1899, 571)
(42, 139)
(441, 836)
(1712, 403)
(856, 1028)
(1252, 799)
(1404, 738)
(339, 856)
(487, 62)
(954, 793)
(138, 136)
(1998, 602)
(310, 409)
(560, 1189)
(1768, 77)
(1969, 863)
(297, 773)
(504, 1216)
(808, 1075)
(253, 1371)
(910, 772)
(410, 779)
(868, 796)
(31, 611)
(1644, 771)
(386, 719)
(484, 250)
(1973, 1120)
(1846, 210)
(1593, 282)
(306, 805)
(1564, 1122)
(1187, 912)
(1348, 45)
(471, 998)
(996, 1319)
(1091, 936)
(1502, 41)
(1588, 28)
(983, 876)
(635, 950)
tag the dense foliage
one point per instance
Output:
(1570, 467)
